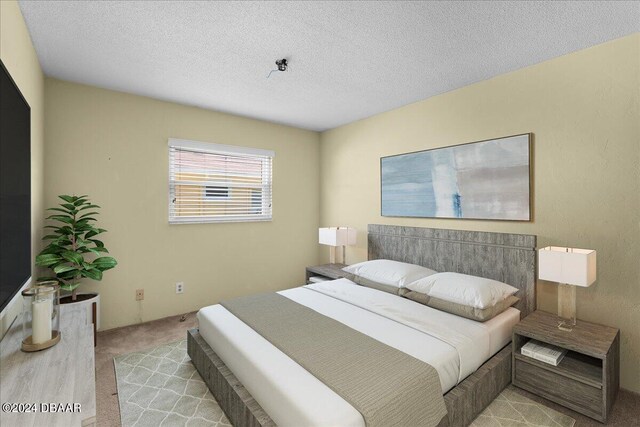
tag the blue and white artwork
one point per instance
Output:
(480, 180)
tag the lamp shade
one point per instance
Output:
(337, 236)
(567, 265)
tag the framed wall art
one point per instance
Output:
(479, 180)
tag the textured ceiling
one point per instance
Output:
(348, 60)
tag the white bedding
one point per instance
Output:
(453, 345)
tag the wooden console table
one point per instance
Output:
(63, 374)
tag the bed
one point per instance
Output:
(472, 359)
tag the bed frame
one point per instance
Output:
(510, 258)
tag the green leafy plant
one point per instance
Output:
(72, 243)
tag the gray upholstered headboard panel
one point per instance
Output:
(509, 258)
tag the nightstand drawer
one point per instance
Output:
(559, 388)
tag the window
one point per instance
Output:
(218, 183)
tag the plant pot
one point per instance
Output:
(86, 299)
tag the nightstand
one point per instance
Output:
(587, 378)
(329, 271)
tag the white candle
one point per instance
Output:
(41, 311)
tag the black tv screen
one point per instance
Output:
(15, 188)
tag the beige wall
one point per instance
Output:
(19, 57)
(583, 110)
(113, 146)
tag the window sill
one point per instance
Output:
(208, 221)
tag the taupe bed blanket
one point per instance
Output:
(388, 387)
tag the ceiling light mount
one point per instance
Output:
(282, 65)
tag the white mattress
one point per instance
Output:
(291, 396)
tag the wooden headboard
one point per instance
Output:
(509, 258)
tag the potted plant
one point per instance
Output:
(74, 252)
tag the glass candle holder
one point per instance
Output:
(41, 316)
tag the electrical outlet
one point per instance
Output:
(139, 294)
(179, 287)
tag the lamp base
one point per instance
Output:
(566, 307)
(332, 254)
(566, 325)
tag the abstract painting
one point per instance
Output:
(479, 180)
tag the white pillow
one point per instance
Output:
(387, 272)
(463, 289)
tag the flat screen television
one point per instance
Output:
(15, 189)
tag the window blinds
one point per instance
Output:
(218, 183)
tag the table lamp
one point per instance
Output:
(334, 237)
(570, 267)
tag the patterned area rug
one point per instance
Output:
(511, 409)
(160, 387)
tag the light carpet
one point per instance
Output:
(161, 387)
(511, 409)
